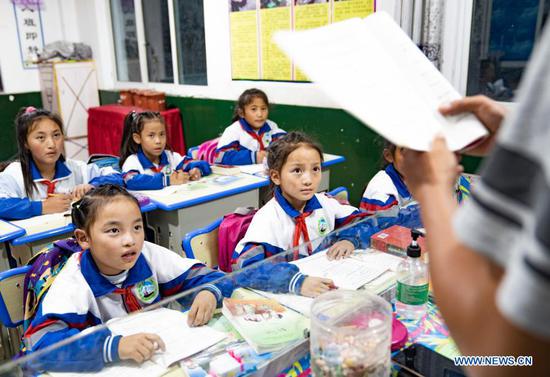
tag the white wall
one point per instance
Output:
(59, 22)
(88, 21)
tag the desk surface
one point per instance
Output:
(206, 189)
(9, 231)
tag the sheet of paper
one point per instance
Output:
(44, 223)
(347, 273)
(372, 69)
(171, 325)
(252, 169)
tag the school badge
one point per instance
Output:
(147, 290)
(322, 226)
(266, 139)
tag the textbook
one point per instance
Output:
(266, 325)
(225, 169)
(373, 70)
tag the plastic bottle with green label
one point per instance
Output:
(412, 283)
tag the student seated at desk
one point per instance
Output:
(295, 215)
(117, 273)
(245, 141)
(146, 162)
(43, 181)
(387, 189)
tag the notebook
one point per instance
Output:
(372, 69)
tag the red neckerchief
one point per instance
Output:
(157, 169)
(255, 136)
(130, 301)
(299, 230)
(50, 185)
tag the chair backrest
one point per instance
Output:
(192, 152)
(340, 194)
(105, 160)
(11, 296)
(207, 150)
(202, 244)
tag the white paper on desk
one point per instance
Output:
(252, 169)
(372, 69)
(171, 325)
(44, 223)
(378, 258)
(347, 273)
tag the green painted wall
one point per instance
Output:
(9, 107)
(203, 119)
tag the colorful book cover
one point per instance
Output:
(265, 324)
(395, 240)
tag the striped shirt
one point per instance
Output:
(508, 216)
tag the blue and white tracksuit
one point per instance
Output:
(240, 142)
(273, 231)
(81, 297)
(384, 191)
(141, 174)
(14, 203)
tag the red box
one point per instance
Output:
(395, 240)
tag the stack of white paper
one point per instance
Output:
(372, 69)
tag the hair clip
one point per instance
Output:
(76, 205)
(30, 109)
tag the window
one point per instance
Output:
(190, 40)
(145, 28)
(123, 17)
(503, 36)
(157, 40)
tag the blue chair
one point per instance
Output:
(11, 296)
(202, 244)
(192, 152)
(105, 160)
(340, 193)
(11, 308)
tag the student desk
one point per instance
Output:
(105, 124)
(8, 232)
(187, 207)
(42, 230)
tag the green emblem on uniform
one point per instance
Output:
(147, 290)
(322, 226)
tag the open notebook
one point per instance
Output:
(181, 342)
(361, 268)
(372, 69)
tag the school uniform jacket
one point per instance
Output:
(384, 191)
(240, 142)
(141, 174)
(272, 232)
(80, 297)
(14, 203)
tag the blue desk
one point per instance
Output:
(8, 232)
(187, 207)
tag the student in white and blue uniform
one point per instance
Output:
(387, 189)
(245, 141)
(114, 275)
(42, 181)
(146, 162)
(294, 216)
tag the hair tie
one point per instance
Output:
(30, 109)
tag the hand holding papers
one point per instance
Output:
(373, 70)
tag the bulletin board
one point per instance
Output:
(252, 23)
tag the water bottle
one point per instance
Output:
(412, 283)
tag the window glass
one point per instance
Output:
(123, 17)
(157, 40)
(189, 16)
(503, 35)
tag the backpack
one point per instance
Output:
(207, 150)
(232, 229)
(45, 266)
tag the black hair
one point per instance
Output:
(84, 212)
(246, 98)
(133, 124)
(386, 144)
(26, 119)
(279, 150)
